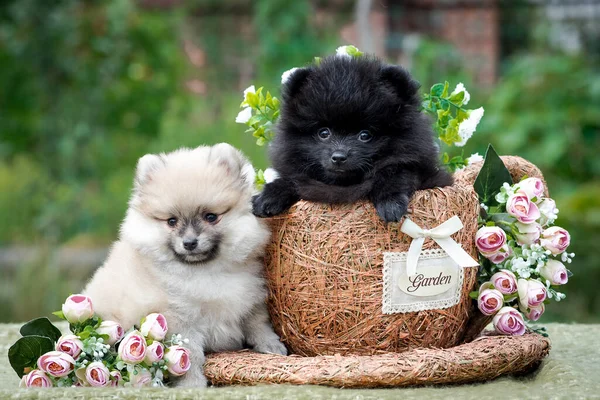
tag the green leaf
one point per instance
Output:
(457, 98)
(474, 295)
(26, 351)
(445, 91)
(318, 61)
(353, 51)
(59, 314)
(437, 89)
(41, 327)
(491, 177)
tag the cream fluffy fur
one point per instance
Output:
(213, 295)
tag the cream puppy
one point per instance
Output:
(191, 249)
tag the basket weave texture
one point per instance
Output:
(324, 272)
(485, 358)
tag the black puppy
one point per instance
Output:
(351, 129)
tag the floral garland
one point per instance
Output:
(97, 353)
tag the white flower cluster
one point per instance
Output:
(95, 348)
(468, 126)
(461, 88)
(177, 340)
(506, 191)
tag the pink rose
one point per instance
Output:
(504, 281)
(509, 321)
(178, 360)
(132, 348)
(490, 301)
(555, 239)
(142, 378)
(154, 326)
(498, 257)
(490, 239)
(115, 378)
(532, 293)
(519, 206)
(555, 272)
(154, 353)
(97, 375)
(35, 379)
(533, 187)
(78, 308)
(112, 329)
(70, 344)
(56, 363)
(528, 233)
(535, 313)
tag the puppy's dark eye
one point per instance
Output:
(211, 218)
(172, 221)
(365, 136)
(324, 133)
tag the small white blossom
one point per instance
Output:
(468, 126)
(249, 89)
(505, 192)
(475, 157)
(270, 175)
(342, 51)
(286, 75)
(244, 116)
(461, 88)
(521, 267)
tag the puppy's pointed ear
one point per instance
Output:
(400, 81)
(235, 163)
(146, 166)
(294, 82)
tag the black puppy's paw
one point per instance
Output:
(264, 205)
(392, 209)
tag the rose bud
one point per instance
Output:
(555, 272)
(113, 330)
(519, 206)
(154, 326)
(132, 348)
(56, 363)
(70, 344)
(528, 233)
(509, 321)
(35, 379)
(499, 256)
(154, 353)
(548, 211)
(141, 379)
(97, 375)
(555, 239)
(178, 360)
(490, 301)
(535, 313)
(533, 187)
(78, 308)
(490, 239)
(504, 281)
(532, 293)
(115, 378)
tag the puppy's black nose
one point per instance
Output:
(339, 157)
(190, 244)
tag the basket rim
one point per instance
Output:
(487, 357)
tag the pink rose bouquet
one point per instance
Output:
(97, 353)
(522, 253)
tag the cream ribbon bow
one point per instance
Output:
(441, 235)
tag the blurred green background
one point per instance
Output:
(87, 87)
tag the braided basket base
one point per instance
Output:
(486, 358)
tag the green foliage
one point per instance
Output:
(41, 327)
(26, 351)
(491, 177)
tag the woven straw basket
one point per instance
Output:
(324, 272)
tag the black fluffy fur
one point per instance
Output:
(347, 96)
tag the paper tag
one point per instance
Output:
(436, 285)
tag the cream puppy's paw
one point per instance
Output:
(271, 346)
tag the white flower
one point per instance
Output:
(270, 175)
(468, 126)
(475, 157)
(342, 51)
(505, 192)
(244, 116)
(249, 89)
(286, 75)
(461, 88)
